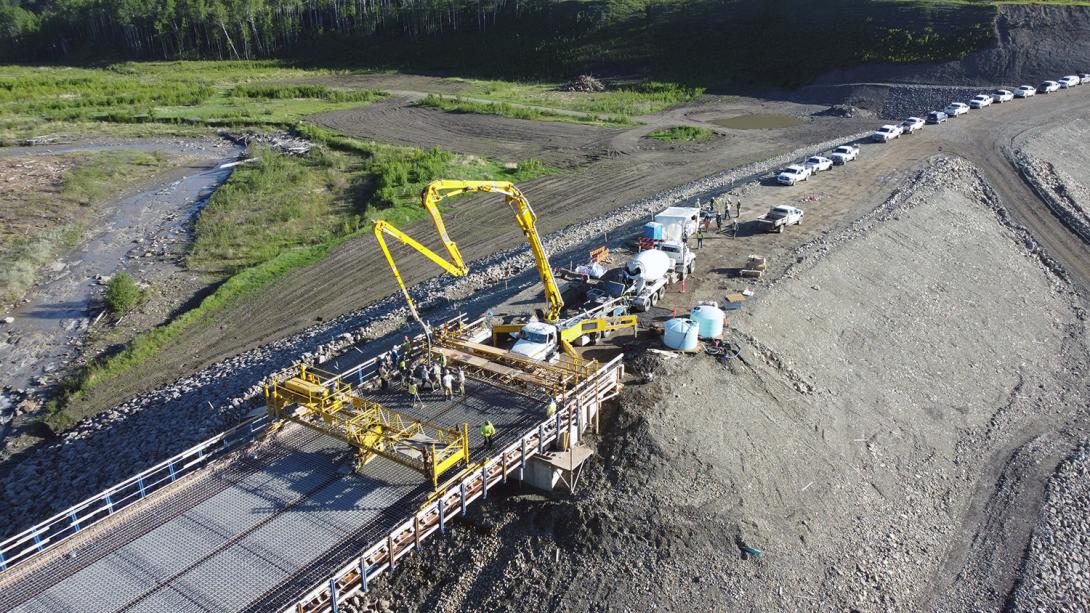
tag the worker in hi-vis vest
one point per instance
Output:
(488, 431)
(550, 409)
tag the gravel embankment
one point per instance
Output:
(1056, 572)
(890, 101)
(1054, 163)
(103, 450)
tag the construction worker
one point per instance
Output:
(448, 385)
(383, 378)
(718, 220)
(738, 208)
(487, 432)
(414, 394)
(550, 409)
(461, 381)
(443, 360)
(700, 238)
(406, 347)
(403, 368)
(734, 228)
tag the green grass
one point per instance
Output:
(459, 105)
(164, 98)
(683, 133)
(38, 226)
(625, 99)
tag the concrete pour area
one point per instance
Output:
(890, 379)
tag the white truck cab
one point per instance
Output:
(538, 341)
(683, 258)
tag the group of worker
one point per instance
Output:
(732, 226)
(720, 216)
(421, 374)
(433, 374)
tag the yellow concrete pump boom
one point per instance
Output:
(432, 195)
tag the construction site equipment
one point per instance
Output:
(547, 342)
(543, 340)
(325, 403)
(437, 191)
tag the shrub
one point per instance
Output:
(122, 294)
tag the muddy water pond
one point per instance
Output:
(757, 121)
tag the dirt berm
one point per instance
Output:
(886, 377)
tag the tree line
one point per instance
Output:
(225, 29)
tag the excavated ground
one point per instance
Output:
(878, 389)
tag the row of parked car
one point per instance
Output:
(843, 154)
(796, 173)
(889, 132)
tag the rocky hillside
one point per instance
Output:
(1033, 42)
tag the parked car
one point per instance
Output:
(818, 163)
(1025, 91)
(1084, 77)
(1069, 81)
(1002, 95)
(911, 124)
(955, 109)
(886, 133)
(1048, 87)
(793, 174)
(936, 117)
(844, 154)
(980, 101)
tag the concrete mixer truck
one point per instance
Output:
(649, 272)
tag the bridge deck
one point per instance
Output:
(251, 531)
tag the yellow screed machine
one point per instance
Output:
(434, 193)
(321, 401)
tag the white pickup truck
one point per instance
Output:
(844, 154)
(886, 133)
(779, 217)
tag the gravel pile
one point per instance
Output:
(1056, 573)
(105, 449)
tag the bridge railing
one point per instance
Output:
(38, 538)
(578, 407)
(48, 533)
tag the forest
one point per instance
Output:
(696, 40)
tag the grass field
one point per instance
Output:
(623, 99)
(160, 98)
